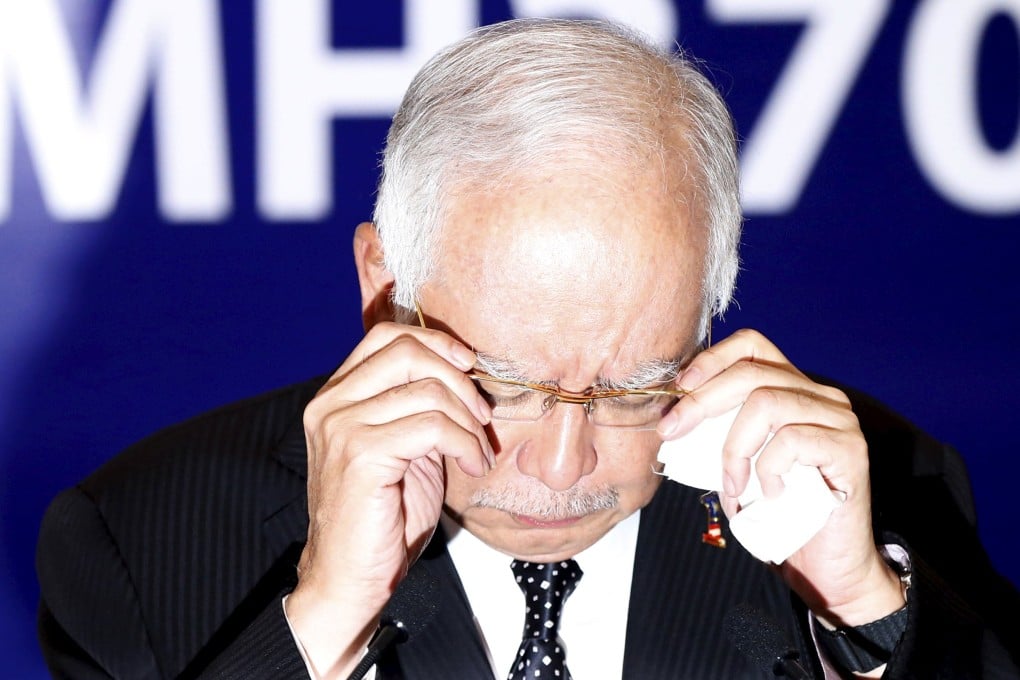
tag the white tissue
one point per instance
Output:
(771, 529)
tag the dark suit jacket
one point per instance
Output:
(170, 561)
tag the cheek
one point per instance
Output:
(630, 468)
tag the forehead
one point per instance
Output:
(571, 269)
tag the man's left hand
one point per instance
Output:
(839, 573)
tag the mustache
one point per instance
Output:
(542, 502)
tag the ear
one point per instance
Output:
(375, 280)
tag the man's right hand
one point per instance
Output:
(376, 434)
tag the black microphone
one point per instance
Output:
(408, 613)
(764, 641)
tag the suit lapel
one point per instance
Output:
(449, 646)
(285, 506)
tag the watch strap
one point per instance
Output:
(863, 648)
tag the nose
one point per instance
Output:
(560, 451)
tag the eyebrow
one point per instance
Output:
(646, 373)
(503, 368)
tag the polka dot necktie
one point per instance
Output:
(546, 587)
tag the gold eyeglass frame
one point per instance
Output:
(586, 399)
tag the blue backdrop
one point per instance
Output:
(180, 179)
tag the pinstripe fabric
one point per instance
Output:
(145, 561)
(449, 646)
(682, 591)
(170, 561)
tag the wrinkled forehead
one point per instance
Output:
(571, 263)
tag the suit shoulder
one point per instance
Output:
(180, 529)
(232, 436)
(891, 435)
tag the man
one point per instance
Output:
(556, 225)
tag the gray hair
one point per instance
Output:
(523, 95)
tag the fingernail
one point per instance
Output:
(463, 357)
(679, 421)
(484, 410)
(690, 379)
(668, 424)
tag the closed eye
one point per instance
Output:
(502, 394)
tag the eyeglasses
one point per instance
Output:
(525, 402)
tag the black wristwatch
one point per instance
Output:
(864, 648)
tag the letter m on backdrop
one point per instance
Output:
(80, 129)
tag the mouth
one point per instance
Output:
(541, 523)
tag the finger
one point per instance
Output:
(744, 345)
(730, 504)
(736, 385)
(840, 455)
(769, 410)
(380, 455)
(448, 440)
(443, 344)
(383, 334)
(421, 396)
(404, 360)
